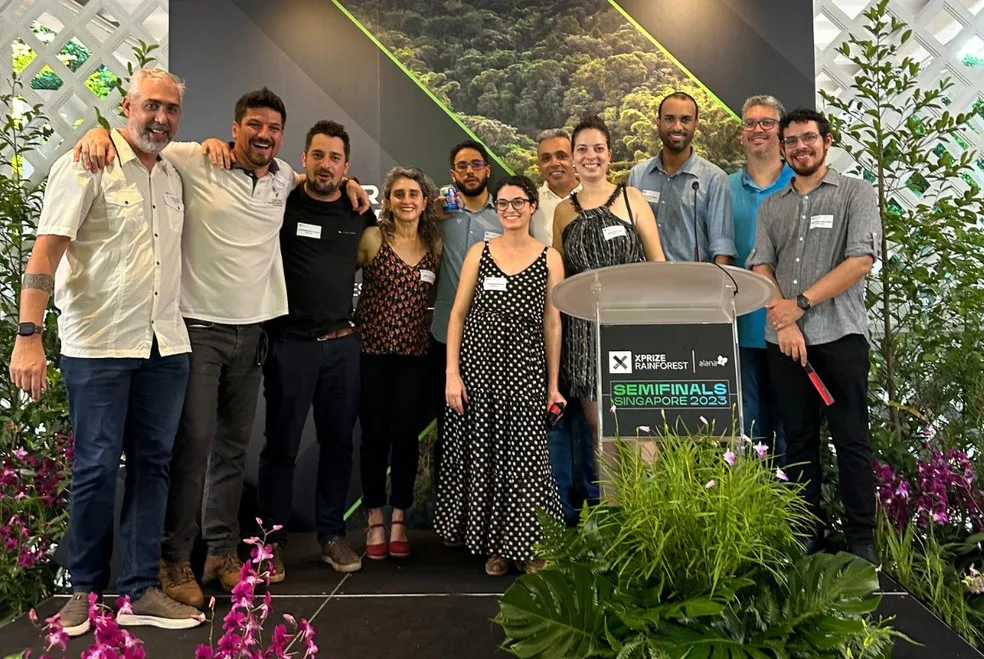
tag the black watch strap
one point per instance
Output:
(803, 302)
(28, 329)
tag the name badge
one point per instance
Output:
(308, 230)
(174, 201)
(613, 232)
(652, 196)
(428, 276)
(489, 235)
(495, 284)
(822, 222)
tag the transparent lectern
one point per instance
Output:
(666, 345)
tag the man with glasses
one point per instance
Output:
(818, 238)
(678, 182)
(474, 221)
(764, 173)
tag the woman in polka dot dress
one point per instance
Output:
(503, 359)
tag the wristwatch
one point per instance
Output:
(28, 329)
(803, 302)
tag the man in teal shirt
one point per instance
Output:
(763, 174)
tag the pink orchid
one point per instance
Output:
(709, 484)
(612, 408)
(729, 457)
(704, 421)
(123, 605)
(781, 475)
(761, 450)
(643, 429)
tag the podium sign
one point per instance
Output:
(684, 372)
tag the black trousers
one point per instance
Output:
(843, 367)
(301, 374)
(393, 395)
(437, 357)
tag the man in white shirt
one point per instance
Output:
(569, 441)
(553, 158)
(109, 245)
(233, 281)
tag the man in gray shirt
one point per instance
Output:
(674, 179)
(473, 221)
(818, 239)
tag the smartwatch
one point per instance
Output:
(803, 302)
(28, 329)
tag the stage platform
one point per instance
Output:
(437, 604)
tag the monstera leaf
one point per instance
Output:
(828, 595)
(551, 614)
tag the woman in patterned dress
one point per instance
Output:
(399, 259)
(503, 359)
(601, 225)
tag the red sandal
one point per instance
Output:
(377, 551)
(399, 548)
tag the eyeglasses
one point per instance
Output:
(517, 203)
(766, 124)
(807, 138)
(463, 165)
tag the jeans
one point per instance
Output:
(760, 402)
(209, 462)
(843, 367)
(298, 374)
(129, 407)
(393, 394)
(572, 460)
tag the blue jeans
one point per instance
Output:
(129, 407)
(760, 402)
(572, 459)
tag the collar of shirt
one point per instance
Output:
(489, 204)
(545, 191)
(785, 175)
(832, 177)
(685, 168)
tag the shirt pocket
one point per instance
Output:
(175, 210)
(124, 208)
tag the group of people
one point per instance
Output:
(187, 274)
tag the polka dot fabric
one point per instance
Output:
(495, 468)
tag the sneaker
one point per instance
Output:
(866, 550)
(178, 583)
(278, 572)
(156, 609)
(74, 616)
(224, 567)
(340, 556)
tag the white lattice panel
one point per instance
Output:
(947, 39)
(107, 29)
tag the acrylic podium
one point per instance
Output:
(666, 345)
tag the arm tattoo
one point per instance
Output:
(41, 282)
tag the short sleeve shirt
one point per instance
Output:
(804, 237)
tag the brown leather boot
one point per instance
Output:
(178, 583)
(225, 568)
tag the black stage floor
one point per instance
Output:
(439, 603)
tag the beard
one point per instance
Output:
(146, 142)
(812, 169)
(257, 159)
(326, 189)
(473, 189)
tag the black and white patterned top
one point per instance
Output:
(596, 238)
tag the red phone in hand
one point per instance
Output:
(553, 414)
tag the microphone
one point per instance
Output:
(696, 187)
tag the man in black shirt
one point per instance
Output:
(314, 350)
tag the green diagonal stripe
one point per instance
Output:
(416, 80)
(643, 31)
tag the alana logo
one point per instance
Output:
(619, 361)
(720, 361)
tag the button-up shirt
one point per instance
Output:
(745, 199)
(543, 219)
(460, 231)
(118, 284)
(804, 237)
(672, 199)
(233, 270)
